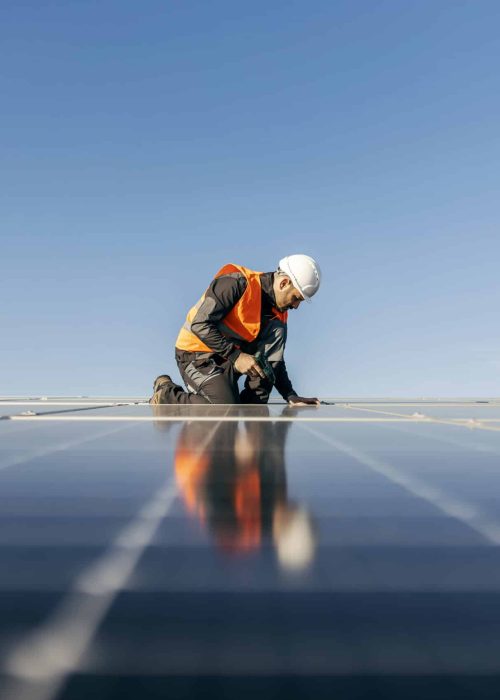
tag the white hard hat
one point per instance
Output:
(304, 272)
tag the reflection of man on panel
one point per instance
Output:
(242, 312)
(233, 479)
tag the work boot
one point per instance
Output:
(159, 386)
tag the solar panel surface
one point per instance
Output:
(346, 550)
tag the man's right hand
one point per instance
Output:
(247, 364)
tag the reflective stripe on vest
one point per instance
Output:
(243, 320)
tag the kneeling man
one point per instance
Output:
(242, 314)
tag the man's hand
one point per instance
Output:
(303, 401)
(247, 364)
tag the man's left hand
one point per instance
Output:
(303, 401)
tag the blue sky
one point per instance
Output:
(143, 145)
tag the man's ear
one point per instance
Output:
(284, 282)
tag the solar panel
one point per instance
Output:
(345, 550)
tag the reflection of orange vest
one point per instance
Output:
(191, 467)
(247, 499)
(191, 470)
(241, 323)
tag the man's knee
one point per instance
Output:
(224, 400)
(220, 390)
(220, 397)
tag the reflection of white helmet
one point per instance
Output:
(295, 540)
(304, 273)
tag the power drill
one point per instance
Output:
(263, 363)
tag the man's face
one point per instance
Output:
(287, 296)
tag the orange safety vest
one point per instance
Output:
(242, 322)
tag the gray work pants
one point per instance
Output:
(212, 379)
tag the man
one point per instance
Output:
(241, 313)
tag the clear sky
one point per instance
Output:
(145, 144)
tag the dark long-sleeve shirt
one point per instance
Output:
(221, 296)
